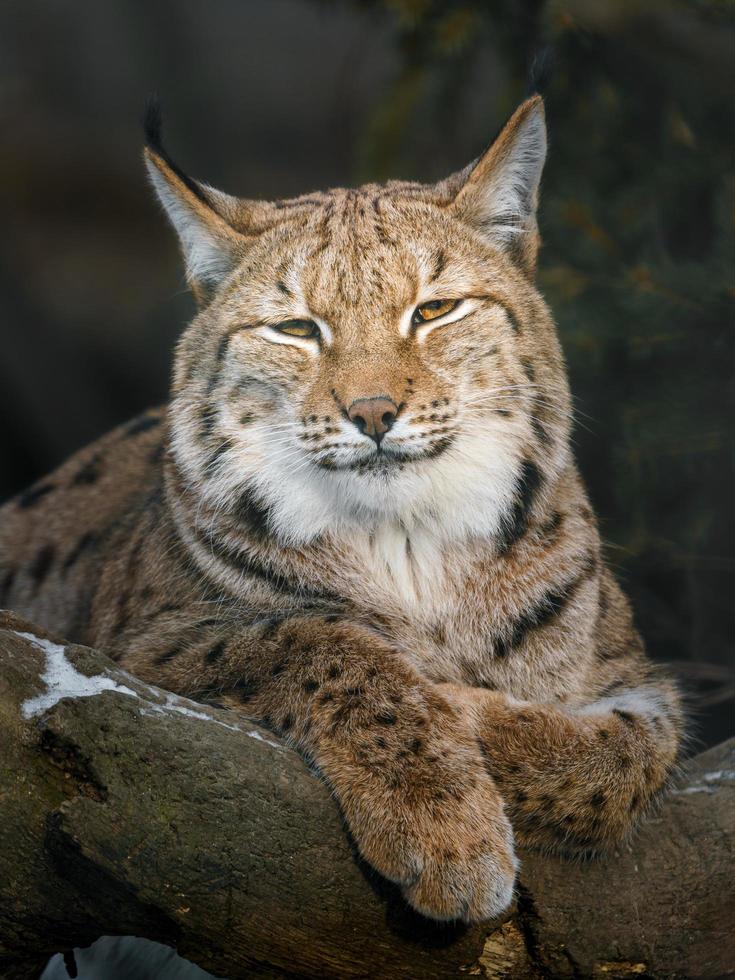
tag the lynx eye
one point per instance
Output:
(298, 328)
(433, 310)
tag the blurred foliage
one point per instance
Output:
(638, 220)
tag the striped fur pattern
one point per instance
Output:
(426, 616)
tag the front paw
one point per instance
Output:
(471, 889)
(451, 851)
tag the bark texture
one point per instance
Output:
(126, 810)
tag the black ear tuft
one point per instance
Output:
(541, 70)
(153, 124)
(153, 129)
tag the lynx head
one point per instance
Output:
(372, 355)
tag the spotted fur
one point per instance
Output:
(424, 611)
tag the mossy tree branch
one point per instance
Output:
(127, 810)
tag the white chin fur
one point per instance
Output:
(462, 493)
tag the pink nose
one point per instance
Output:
(373, 416)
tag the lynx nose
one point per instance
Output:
(373, 416)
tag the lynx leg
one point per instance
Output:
(578, 779)
(405, 769)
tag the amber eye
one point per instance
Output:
(433, 310)
(298, 328)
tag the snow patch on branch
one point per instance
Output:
(183, 706)
(719, 776)
(262, 738)
(63, 680)
(171, 704)
(708, 782)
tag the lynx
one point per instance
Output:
(359, 521)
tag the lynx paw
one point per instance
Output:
(453, 860)
(473, 890)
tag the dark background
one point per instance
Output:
(276, 97)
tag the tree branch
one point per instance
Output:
(128, 810)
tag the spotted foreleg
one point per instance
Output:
(407, 772)
(578, 779)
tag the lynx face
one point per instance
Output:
(373, 355)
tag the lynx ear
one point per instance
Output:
(498, 194)
(200, 215)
